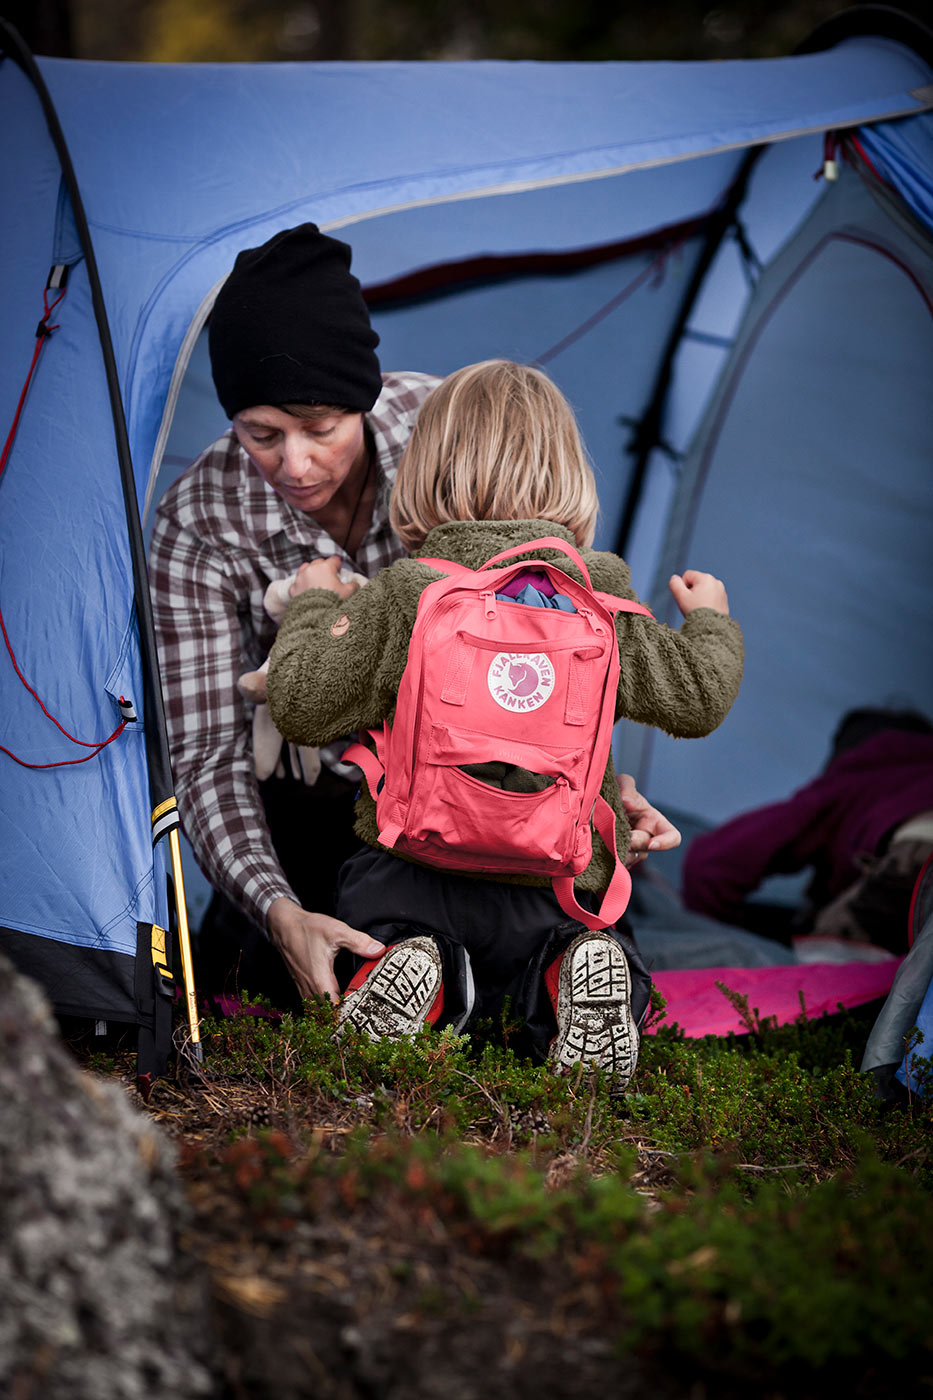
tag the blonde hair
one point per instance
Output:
(494, 441)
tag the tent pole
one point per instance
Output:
(648, 433)
(184, 943)
(869, 19)
(164, 806)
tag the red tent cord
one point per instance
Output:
(97, 745)
(66, 762)
(865, 157)
(43, 331)
(834, 142)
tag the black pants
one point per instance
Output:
(511, 933)
(312, 832)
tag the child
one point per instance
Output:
(495, 461)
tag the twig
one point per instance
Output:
(788, 1167)
(917, 1152)
(477, 1085)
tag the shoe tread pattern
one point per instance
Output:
(396, 997)
(594, 1014)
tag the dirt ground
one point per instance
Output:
(363, 1299)
(319, 1290)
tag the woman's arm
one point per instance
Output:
(196, 608)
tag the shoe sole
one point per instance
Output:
(394, 1001)
(594, 1010)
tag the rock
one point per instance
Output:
(96, 1300)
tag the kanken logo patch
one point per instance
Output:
(520, 681)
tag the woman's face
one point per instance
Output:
(306, 460)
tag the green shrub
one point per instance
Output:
(786, 1097)
(712, 1282)
(789, 1225)
(840, 1273)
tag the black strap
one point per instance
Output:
(155, 998)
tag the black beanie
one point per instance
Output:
(290, 326)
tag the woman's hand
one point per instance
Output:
(692, 589)
(309, 943)
(651, 830)
(322, 573)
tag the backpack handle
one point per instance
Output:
(609, 600)
(552, 542)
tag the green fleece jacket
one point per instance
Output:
(326, 681)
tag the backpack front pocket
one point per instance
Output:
(460, 822)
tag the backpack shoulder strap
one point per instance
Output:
(617, 605)
(444, 566)
(373, 766)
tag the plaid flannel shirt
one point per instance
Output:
(221, 536)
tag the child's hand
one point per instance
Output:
(322, 573)
(692, 589)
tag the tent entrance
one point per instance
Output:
(822, 531)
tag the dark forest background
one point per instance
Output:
(251, 30)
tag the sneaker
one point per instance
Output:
(593, 1005)
(393, 997)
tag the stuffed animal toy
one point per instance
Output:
(267, 741)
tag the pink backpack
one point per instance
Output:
(493, 680)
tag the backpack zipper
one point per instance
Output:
(593, 621)
(564, 787)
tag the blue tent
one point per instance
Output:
(749, 349)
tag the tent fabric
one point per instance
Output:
(422, 165)
(78, 860)
(510, 125)
(196, 182)
(671, 937)
(902, 152)
(903, 1008)
(910, 1003)
(909, 1072)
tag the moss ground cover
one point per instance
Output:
(748, 1210)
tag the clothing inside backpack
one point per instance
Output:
(535, 590)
